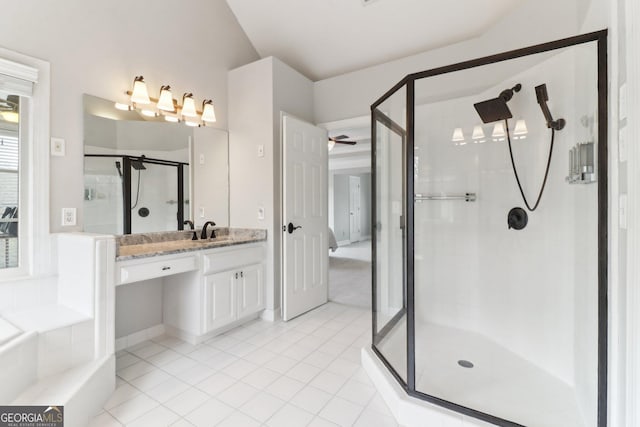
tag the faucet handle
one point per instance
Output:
(190, 223)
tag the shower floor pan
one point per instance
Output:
(501, 383)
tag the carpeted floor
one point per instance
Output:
(350, 274)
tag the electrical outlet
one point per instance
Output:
(68, 216)
(57, 147)
(260, 150)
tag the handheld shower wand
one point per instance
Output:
(543, 97)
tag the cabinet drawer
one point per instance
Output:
(151, 270)
(227, 260)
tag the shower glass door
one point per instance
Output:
(389, 275)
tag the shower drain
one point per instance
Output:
(465, 364)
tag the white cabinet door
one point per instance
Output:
(220, 299)
(250, 286)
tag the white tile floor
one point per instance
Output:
(301, 373)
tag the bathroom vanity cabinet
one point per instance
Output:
(206, 291)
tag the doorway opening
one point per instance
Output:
(350, 213)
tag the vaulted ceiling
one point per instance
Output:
(325, 38)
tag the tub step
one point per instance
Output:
(81, 390)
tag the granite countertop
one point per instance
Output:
(133, 246)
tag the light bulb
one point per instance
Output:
(140, 95)
(148, 113)
(165, 103)
(171, 118)
(188, 106)
(191, 123)
(331, 144)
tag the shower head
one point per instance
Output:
(118, 166)
(137, 164)
(496, 109)
(543, 96)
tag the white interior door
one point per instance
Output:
(305, 217)
(355, 222)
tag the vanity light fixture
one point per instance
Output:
(188, 106)
(208, 113)
(140, 95)
(167, 107)
(165, 103)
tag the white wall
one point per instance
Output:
(258, 93)
(99, 47)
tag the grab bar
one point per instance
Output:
(467, 197)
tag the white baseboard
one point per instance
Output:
(271, 315)
(140, 336)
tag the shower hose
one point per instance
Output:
(515, 171)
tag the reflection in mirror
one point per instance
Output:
(139, 173)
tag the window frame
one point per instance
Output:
(35, 249)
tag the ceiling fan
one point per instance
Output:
(340, 139)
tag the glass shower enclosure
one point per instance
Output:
(490, 243)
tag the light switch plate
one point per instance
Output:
(260, 150)
(68, 217)
(201, 212)
(57, 147)
(202, 159)
(260, 212)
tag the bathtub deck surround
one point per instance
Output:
(61, 349)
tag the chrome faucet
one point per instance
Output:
(204, 230)
(195, 235)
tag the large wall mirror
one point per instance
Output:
(142, 174)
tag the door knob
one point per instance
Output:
(291, 228)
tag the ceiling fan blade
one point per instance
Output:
(339, 137)
(346, 142)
